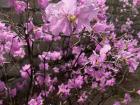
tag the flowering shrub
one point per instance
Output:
(84, 55)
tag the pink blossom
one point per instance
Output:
(50, 56)
(76, 83)
(36, 101)
(83, 97)
(127, 99)
(117, 103)
(100, 27)
(13, 92)
(106, 48)
(44, 66)
(43, 3)
(136, 2)
(133, 64)
(48, 37)
(2, 86)
(64, 89)
(25, 71)
(20, 6)
(110, 82)
(66, 14)
(138, 92)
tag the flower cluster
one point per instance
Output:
(10, 44)
(73, 53)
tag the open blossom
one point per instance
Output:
(67, 14)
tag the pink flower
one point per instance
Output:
(110, 82)
(117, 103)
(138, 34)
(2, 86)
(44, 66)
(25, 71)
(39, 80)
(55, 55)
(133, 64)
(1, 102)
(94, 59)
(20, 6)
(138, 92)
(99, 27)
(63, 89)
(136, 2)
(13, 92)
(67, 14)
(82, 98)
(48, 38)
(106, 48)
(77, 82)
(102, 27)
(127, 99)
(43, 3)
(36, 101)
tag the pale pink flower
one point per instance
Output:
(67, 14)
